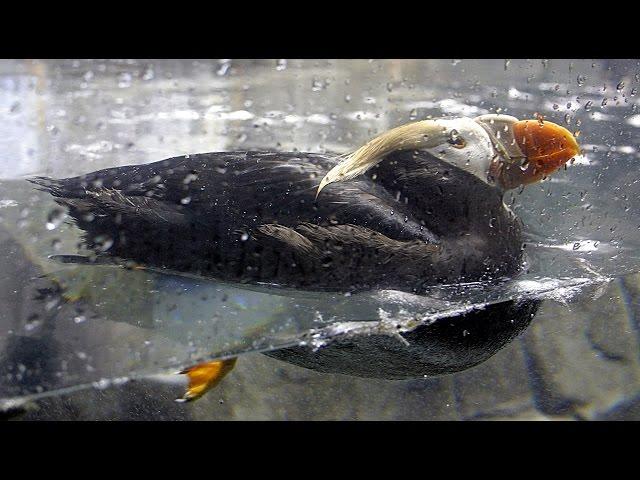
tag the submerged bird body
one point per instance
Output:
(252, 217)
(419, 205)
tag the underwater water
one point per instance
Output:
(100, 342)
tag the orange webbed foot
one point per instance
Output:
(204, 376)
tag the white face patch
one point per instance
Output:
(469, 148)
(462, 142)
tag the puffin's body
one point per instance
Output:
(418, 206)
(250, 217)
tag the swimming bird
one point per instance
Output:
(417, 206)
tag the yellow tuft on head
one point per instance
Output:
(424, 134)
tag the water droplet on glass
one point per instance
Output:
(281, 64)
(581, 80)
(620, 86)
(101, 384)
(225, 64)
(244, 237)
(634, 91)
(124, 80)
(454, 137)
(185, 200)
(54, 218)
(190, 178)
(148, 73)
(588, 105)
(32, 325)
(316, 84)
(103, 243)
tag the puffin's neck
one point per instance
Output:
(437, 192)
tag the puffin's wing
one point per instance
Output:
(309, 240)
(341, 257)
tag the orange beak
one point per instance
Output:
(546, 146)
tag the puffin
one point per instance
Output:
(417, 206)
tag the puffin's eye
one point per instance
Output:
(456, 140)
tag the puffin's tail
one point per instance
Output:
(64, 188)
(46, 184)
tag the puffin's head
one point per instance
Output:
(499, 149)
